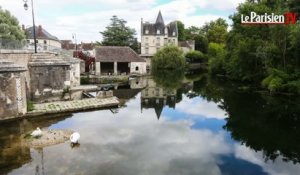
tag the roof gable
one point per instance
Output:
(40, 33)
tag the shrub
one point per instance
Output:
(216, 56)
(169, 57)
(195, 56)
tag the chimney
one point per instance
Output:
(40, 29)
(23, 27)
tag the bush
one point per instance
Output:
(195, 56)
(216, 56)
(280, 81)
(169, 57)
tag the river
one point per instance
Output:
(197, 126)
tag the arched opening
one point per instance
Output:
(136, 68)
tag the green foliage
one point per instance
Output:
(279, 81)
(118, 34)
(168, 78)
(216, 56)
(9, 27)
(260, 54)
(216, 31)
(196, 34)
(181, 31)
(195, 56)
(169, 57)
(30, 106)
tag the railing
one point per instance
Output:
(25, 45)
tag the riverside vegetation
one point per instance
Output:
(266, 56)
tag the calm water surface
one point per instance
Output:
(197, 128)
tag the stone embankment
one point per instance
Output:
(73, 106)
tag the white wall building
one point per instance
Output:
(45, 41)
(118, 60)
(156, 35)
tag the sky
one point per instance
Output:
(86, 18)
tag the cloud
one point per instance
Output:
(200, 107)
(278, 167)
(87, 18)
(127, 143)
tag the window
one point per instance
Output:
(158, 41)
(146, 41)
(166, 31)
(147, 50)
(174, 33)
(174, 41)
(136, 68)
(165, 41)
(45, 41)
(158, 32)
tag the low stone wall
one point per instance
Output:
(72, 106)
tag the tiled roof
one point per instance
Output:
(40, 33)
(117, 54)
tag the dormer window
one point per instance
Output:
(158, 32)
(166, 31)
(174, 33)
(146, 31)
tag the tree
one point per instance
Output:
(216, 31)
(181, 31)
(196, 34)
(216, 56)
(169, 57)
(195, 56)
(9, 27)
(118, 34)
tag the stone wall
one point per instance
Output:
(138, 68)
(13, 101)
(19, 57)
(45, 80)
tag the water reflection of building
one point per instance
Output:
(156, 97)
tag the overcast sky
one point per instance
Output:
(87, 18)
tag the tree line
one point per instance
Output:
(264, 55)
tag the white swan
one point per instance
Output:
(74, 138)
(36, 133)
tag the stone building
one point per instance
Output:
(45, 41)
(117, 60)
(51, 75)
(156, 35)
(13, 101)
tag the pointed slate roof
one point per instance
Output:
(152, 28)
(159, 19)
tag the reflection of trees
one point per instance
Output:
(263, 123)
(269, 125)
(168, 78)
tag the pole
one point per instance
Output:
(34, 34)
